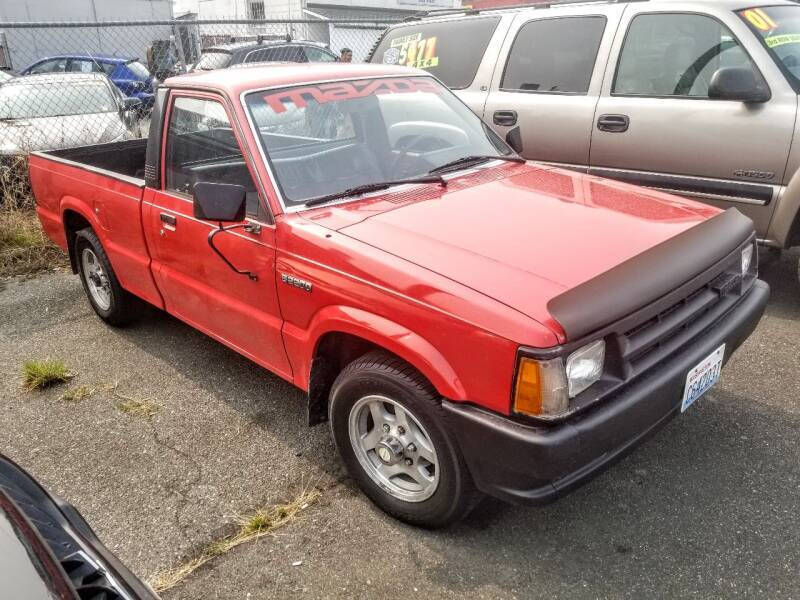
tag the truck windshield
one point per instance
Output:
(33, 101)
(779, 30)
(323, 139)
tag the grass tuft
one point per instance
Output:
(40, 374)
(262, 522)
(138, 408)
(77, 394)
(134, 407)
(24, 247)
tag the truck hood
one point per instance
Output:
(521, 234)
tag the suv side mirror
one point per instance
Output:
(224, 202)
(738, 83)
(129, 104)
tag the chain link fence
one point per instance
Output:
(74, 84)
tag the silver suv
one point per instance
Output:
(694, 98)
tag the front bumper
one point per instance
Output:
(536, 464)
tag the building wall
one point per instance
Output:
(84, 10)
(238, 9)
(282, 9)
(26, 46)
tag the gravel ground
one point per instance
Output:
(707, 508)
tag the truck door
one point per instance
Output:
(657, 126)
(200, 144)
(548, 80)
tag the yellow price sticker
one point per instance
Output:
(416, 51)
(780, 40)
(760, 19)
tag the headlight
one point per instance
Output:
(585, 367)
(747, 259)
(543, 388)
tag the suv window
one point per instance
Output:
(439, 48)
(201, 146)
(279, 54)
(318, 55)
(213, 59)
(675, 55)
(545, 57)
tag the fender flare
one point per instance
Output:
(784, 225)
(78, 206)
(393, 337)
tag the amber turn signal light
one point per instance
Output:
(527, 395)
(541, 388)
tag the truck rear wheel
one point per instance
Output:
(111, 303)
(391, 433)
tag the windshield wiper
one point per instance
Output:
(475, 159)
(375, 187)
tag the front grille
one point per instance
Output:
(653, 340)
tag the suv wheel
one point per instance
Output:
(390, 430)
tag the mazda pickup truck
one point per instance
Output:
(467, 322)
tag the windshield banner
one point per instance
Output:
(347, 90)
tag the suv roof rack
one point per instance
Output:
(438, 12)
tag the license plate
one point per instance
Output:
(702, 377)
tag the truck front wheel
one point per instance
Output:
(391, 433)
(111, 303)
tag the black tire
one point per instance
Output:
(124, 307)
(379, 373)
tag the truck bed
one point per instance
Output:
(123, 160)
(99, 187)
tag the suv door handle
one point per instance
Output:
(505, 118)
(614, 123)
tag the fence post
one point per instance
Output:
(176, 38)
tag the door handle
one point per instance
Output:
(614, 123)
(169, 219)
(505, 118)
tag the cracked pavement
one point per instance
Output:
(708, 507)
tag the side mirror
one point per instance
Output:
(224, 202)
(129, 104)
(738, 83)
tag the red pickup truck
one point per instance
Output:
(468, 322)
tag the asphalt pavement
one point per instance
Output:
(708, 508)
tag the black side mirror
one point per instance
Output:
(224, 202)
(738, 83)
(131, 103)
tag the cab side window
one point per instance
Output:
(554, 55)
(201, 146)
(675, 55)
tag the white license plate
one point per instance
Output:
(702, 377)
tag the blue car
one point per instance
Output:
(129, 75)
